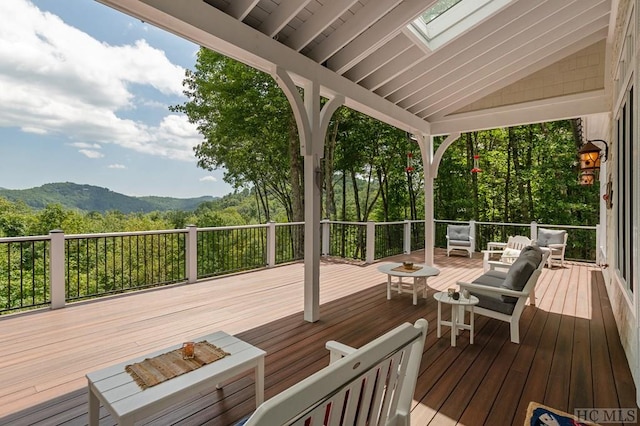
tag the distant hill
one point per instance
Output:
(95, 198)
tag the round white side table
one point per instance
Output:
(457, 314)
(419, 278)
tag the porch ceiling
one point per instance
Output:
(526, 62)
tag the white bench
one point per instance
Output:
(371, 385)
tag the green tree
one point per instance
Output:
(249, 130)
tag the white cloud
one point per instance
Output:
(116, 166)
(57, 79)
(85, 145)
(208, 179)
(90, 153)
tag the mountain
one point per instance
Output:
(95, 198)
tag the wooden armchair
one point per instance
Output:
(503, 295)
(508, 251)
(372, 385)
(459, 237)
(554, 242)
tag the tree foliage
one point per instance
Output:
(249, 130)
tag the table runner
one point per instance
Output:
(403, 268)
(153, 371)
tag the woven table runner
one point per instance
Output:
(153, 371)
(403, 268)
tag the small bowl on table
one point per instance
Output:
(408, 265)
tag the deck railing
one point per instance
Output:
(56, 268)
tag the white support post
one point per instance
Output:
(271, 244)
(312, 121)
(431, 162)
(192, 254)
(326, 235)
(534, 230)
(472, 234)
(56, 269)
(371, 242)
(407, 237)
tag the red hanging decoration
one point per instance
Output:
(409, 168)
(476, 169)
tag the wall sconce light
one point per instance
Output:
(590, 158)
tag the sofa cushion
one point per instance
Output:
(550, 236)
(521, 269)
(493, 302)
(458, 232)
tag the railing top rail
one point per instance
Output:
(390, 223)
(540, 225)
(342, 222)
(547, 225)
(223, 228)
(125, 234)
(23, 239)
(289, 223)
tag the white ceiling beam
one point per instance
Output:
(281, 15)
(239, 9)
(363, 19)
(320, 20)
(377, 35)
(393, 69)
(475, 89)
(396, 47)
(506, 24)
(501, 55)
(565, 107)
(207, 26)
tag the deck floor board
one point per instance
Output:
(570, 354)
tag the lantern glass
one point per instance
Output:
(589, 157)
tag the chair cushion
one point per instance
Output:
(550, 236)
(458, 232)
(509, 255)
(459, 243)
(493, 302)
(521, 269)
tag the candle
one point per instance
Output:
(188, 350)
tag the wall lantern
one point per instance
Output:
(590, 158)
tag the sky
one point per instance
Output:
(84, 97)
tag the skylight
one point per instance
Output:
(446, 19)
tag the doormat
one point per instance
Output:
(540, 415)
(153, 371)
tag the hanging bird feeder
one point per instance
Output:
(410, 168)
(476, 169)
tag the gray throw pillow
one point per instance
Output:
(521, 270)
(458, 232)
(550, 236)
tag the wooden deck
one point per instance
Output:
(570, 354)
